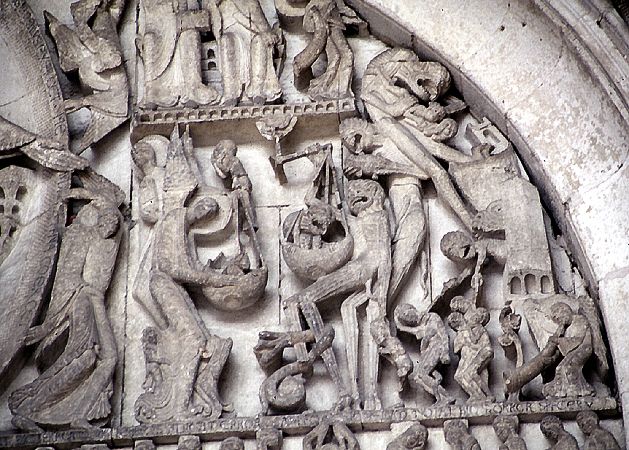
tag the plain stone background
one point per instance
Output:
(513, 65)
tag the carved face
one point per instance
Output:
(358, 136)
(425, 80)
(587, 421)
(561, 314)
(363, 195)
(551, 427)
(458, 246)
(200, 209)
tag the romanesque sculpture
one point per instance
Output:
(414, 438)
(93, 49)
(232, 443)
(284, 389)
(316, 240)
(568, 349)
(554, 431)
(188, 356)
(369, 270)
(75, 384)
(170, 47)
(458, 436)
(326, 21)
(510, 340)
(506, 428)
(597, 437)
(247, 49)
(400, 93)
(48, 152)
(472, 343)
(434, 350)
(330, 435)
(390, 348)
(269, 439)
(189, 443)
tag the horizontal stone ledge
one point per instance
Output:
(246, 427)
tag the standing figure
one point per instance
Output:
(596, 437)
(326, 21)
(93, 49)
(506, 428)
(473, 344)
(434, 350)
(229, 168)
(74, 389)
(170, 47)
(368, 270)
(246, 48)
(458, 436)
(552, 428)
(191, 357)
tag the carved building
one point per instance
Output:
(317, 224)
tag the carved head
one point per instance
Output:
(561, 314)
(551, 427)
(358, 136)
(143, 155)
(415, 438)
(407, 315)
(364, 195)
(458, 246)
(201, 208)
(454, 430)
(232, 443)
(224, 151)
(505, 427)
(587, 421)
(477, 316)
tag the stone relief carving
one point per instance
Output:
(506, 428)
(188, 358)
(326, 21)
(458, 436)
(596, 436)
(75, 386)
(93, 49)
(414, 438)
(552, 428)
(359, 242)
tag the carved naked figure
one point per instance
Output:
(391, 349)
(552, 428)
(506, 428)
(569, 348)
(191, 357)
(458, 436)
(246, 47)
(170, 47)
(326, 21)
(74, 388)
(369, 155)
(330, 435)
(400, 94)
(414, 438)
(93, 49)
(473, 344)
(368, 270)
(48, 152)
(597, 437)
(434, 349)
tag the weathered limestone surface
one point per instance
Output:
(551, 77)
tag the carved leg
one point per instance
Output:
(230, 63)
(345, 65)
(263, 84)
(372, 363)
(188, 53)
(351, 331)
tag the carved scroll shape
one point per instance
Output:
(414, 438)
(284, 389)
(330, 435)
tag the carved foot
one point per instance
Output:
(344, 402)
(82, 424)
(22, 423)
(373, 403)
